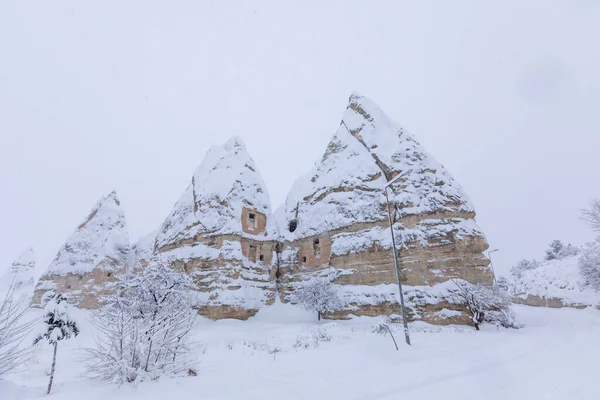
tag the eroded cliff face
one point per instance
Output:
(220, 232)
(91, 258)
(334, 222)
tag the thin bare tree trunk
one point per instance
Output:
(392, 335)
(53, 366)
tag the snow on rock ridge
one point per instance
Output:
(226, 181)
(91, 256)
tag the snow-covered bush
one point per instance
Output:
(503, 284)
(592, 215)
(486, 304)
(58, 325)
(317, 294)
(142, 330)
(589, 266)
(517, 271)
(313, 338)
(558, 250)
(13, 329)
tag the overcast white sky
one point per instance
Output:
(129, 95)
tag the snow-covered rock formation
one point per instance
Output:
(90, 258)
(20, 274)
(221, 233)
(334, 221)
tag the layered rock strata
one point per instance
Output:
(334, 222)
(221, 233)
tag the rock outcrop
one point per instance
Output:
(90, 258)
(335, 223)
(141, 252)
(221, 233)
(20, 274)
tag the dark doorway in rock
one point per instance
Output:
(261, 257)
(304, 259)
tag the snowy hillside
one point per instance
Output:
(553, 283)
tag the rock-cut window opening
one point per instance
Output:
(293, 225)
(261, 257)
(304, 259)
(252, 221)
(317, 247)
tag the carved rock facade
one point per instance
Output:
(221, 233)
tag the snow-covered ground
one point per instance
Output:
(555, 356)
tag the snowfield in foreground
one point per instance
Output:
(555, 356)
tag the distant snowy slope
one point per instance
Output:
(20, 274)
(553, 283)
(141, 251)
